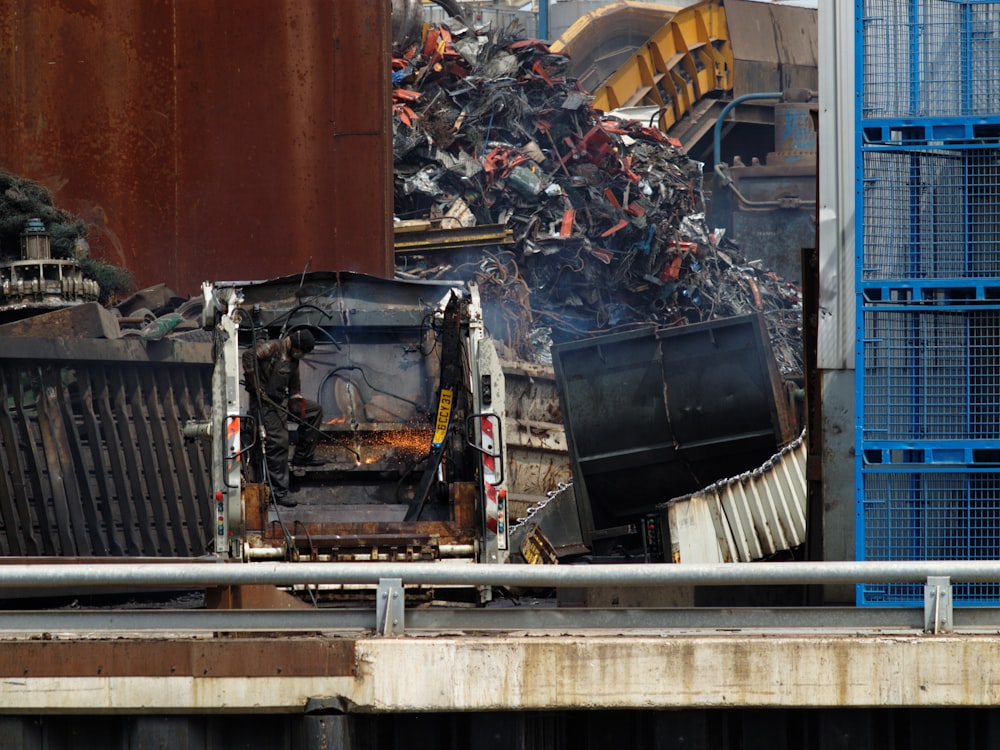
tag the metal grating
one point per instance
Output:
(927, 58)
(928, 282)
(94, 458)
(930, 515)
(931, 375)
(931, 213)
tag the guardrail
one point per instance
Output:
(83, 574)
(392, 578)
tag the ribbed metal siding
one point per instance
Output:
(95, 462)
(744, 518)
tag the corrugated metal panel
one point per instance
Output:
(748, 517)
(207, 140)
(94, 457)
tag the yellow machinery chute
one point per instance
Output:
(686, 58)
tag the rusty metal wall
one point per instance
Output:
(93, 455)
(207, 140)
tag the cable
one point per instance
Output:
(311, 328)
(286, 316)
(256, 398)
(364, 378)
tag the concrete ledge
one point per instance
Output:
(515, 672)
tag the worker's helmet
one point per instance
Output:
(303, 340)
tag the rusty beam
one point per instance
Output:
(244, 657)
(252, 597)
(413, 240)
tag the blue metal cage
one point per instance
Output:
(929, 514)
(929, 58)
(928, 286)
(930, 375)
(931, 212)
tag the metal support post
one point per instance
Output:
(389, 607)
(937, 605)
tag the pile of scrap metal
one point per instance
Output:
(601, 220)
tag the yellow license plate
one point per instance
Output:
(443, 417)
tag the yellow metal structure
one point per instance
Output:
(603, 40)
(422, 236)
(688, 58)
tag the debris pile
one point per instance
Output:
(606, 215)
(151, 314)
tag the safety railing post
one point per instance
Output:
(389, 609)
(937, 605)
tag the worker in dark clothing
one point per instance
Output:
(271, 373)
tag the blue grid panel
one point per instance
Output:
(919, 132)
(931, 213)
(930, 374)
(925, 515)
(929, 58)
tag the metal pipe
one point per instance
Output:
(727, 181)
(457, 550)
(86, 575)
(717, 132)
(264, 553)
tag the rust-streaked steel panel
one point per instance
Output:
(207, 140)
(250, 657)
(775, 47)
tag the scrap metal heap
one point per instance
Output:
(605, 216)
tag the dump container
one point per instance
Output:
(654, 414)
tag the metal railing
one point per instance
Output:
(391, 580)
(84, 575)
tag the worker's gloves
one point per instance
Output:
(298, 405)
